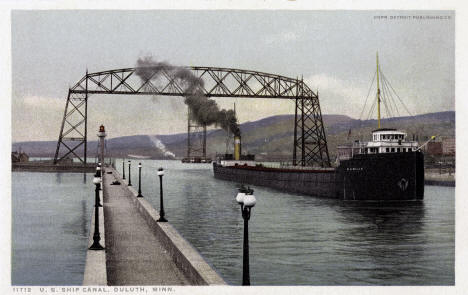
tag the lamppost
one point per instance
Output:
(139, 181)
(123, 168)
(129, 175)
(161, 209)
(96, 235)
(98, 172)
(98, 185)
(246, 200)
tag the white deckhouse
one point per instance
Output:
(387, 140)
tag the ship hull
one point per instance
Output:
(320, 183)
(380, 177)
(383, 177)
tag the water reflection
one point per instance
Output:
(388, 237)
(84, 218)
(403, 218)
(58, 178)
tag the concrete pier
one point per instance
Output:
(440, 179)
(140, 251)
(37, 166)
(135, 256)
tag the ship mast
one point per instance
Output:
(378, 91)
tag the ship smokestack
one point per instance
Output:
(237, 147)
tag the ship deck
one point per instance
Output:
(299, 169)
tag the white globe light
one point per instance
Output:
(249, 200)
(240, 198)
(98, 168)
(139, 165)
(96, 180)
(160, 172)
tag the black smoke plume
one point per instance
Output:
(203, 109)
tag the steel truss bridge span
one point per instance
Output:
(309, 144)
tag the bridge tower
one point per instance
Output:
(310, 143)
(196, 138)
(74, 130)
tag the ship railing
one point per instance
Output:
(359, 145)
(287, 165)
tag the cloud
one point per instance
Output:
(337, 86)
(33, 101)
(36, 117)
(337, 95)
(281, 37)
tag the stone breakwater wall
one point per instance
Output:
(49, 167)
(185, 256)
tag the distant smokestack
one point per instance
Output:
(237, 147)
(205, 111)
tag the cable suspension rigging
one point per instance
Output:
(401, 101)
(367, 97)
(388, 96)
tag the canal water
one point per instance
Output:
(51, 213)
(294, 239)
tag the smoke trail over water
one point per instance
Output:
(158, 144)
(203, 109)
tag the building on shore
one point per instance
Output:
(19, 157)
(448, 146)
(444, 147)
(434, 148)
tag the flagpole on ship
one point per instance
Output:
(378, 90)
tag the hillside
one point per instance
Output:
(269, 138)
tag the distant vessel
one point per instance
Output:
(387, 168)
(138, 157)
(196, 160)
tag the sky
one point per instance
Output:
(334, 52)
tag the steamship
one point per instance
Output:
(387, 168)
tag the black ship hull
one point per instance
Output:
(370, 177)
(383, 177)
(321, 183)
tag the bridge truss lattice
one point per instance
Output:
(309, 143)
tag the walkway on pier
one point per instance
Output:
(134, 254)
